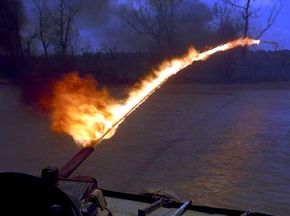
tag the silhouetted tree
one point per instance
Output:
(249, 11)
(153, 19)
(64, 19)
(44, 29)
(74, 45)
(170, 24)
(11, 19)
(226, 23)
(28, 42)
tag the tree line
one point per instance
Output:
(167, 26)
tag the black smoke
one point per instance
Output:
(102, 19)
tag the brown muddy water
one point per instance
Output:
(219, 145)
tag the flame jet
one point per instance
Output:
(90, 115)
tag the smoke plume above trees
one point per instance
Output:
(147, 25)
(69, 27)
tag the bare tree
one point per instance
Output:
(226, 22)
(44, 30)
(248, 12)
(28, 41)
(153, 19)
(67, 10)
(170, 26)
(74, 43)
(86, 47)
(274, 12)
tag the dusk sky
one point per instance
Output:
(279, 32)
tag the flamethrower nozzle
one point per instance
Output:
(75, 162)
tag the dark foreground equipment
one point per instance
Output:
(55, 193)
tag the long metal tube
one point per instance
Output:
(75, 162)
(180, 211)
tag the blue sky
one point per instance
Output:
(280, 31)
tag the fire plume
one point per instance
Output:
(90, 115)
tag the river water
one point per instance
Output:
(219, 145)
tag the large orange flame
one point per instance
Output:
(90, 115)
